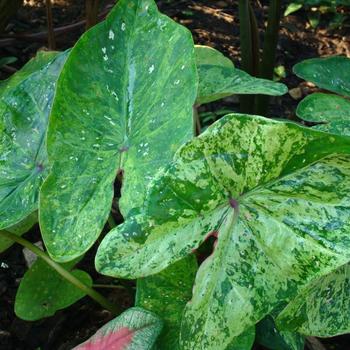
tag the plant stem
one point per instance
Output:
(108, 286)
(111, 222)
(91, 12)
(50, 31)
(249, 48)
(63, 272)
(197, 128)
(269, 51)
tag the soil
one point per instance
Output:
(213, 23)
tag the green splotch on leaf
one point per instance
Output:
(322, 308)
(43, 291)
(218, 78)
(262, 186)
(128, 85)
(331, 110)
(25, 103)
(330, 73)
(166, 294)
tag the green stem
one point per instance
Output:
(108, 286)
(197, 128)
(63, 272)
(111, 222)
(249, 48)
(269, 51)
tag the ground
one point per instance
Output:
(213, 23)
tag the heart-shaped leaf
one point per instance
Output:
(123, 105)
(218, 78)
(322, 308)
(43, 291)
(18, 229)
(25, 103)
(272, 338)
(331, 73)
(331, 110)
(135, 329)
(260, 186)
(166, 294)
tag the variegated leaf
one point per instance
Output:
(123, 106)
(135, 329)
(331, 111)
(25, 103)
(260, 186)
(330, 73)
(166, 294)
(218, 78)
(322, 308)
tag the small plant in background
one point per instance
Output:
(118, 112)
(317, 8)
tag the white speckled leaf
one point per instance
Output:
(218, 78)
(331, 110)
(43, 291)
(330, 73)
(25, 103)
(123, 104)
(322, 308)
(260, 186)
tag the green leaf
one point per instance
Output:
(218, 78)
(272, 338)
(331, 110)
(331, 73)
(18, 229)
(129, 84)
(166, 294)
(43, 291)
(244, 341)
(134, 329)
(25, 103)
(291, 8)
(260, 186)
(322, 308)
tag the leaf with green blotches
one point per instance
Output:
(331, 110)
(272, 338)
(18, 229)
(43, 291)
(166, 294)
(330, 73)
(323, 308)
(260, 186)
(25, 103)
(218, 78)
(129, 83)
(244, 341)
(134, 329)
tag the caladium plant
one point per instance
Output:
(274, 195)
